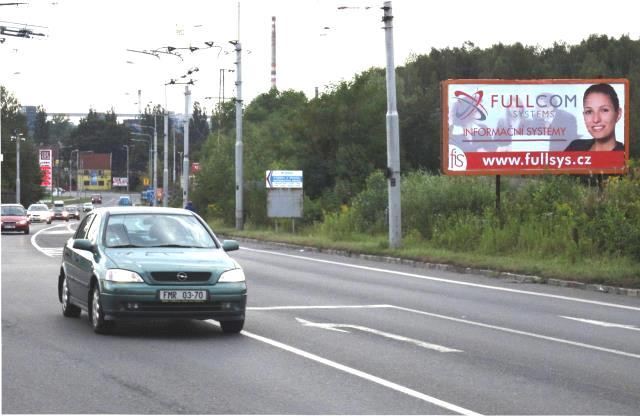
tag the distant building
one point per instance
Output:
(30, 112)
(94, 172)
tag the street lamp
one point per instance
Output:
(154, 155)
(393, 135)
(17, 137)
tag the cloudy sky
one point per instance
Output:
(83, 61)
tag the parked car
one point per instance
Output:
(96, 199)
(125, 201)
(58, 191)
(109, 272)
(59, 213)
(39, 213)
(14, 218)
(74, 212)
(87, 206)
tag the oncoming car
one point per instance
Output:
(125, 201)
(73, 211)
(39, 213)
(87, 206)
(14, 218)
(138, 262)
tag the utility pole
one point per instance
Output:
(155, 161)
(239, 145)
(126, 146)
(18, 138)
(165, 167)
(185, 159)
(393, 136)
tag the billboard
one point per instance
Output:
(120, 181)
(45, 160)
(521, 127)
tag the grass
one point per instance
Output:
(610, 271)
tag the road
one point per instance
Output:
(324, 335)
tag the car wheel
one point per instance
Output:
(98, 323)
(68, 309)
(49, 222)
(232, 327)
(26, 231)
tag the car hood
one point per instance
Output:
(146, 260)
(13, 218)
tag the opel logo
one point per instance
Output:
(182, 276)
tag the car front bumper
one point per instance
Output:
(226, 302)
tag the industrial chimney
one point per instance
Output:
(273, 52)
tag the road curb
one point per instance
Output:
(513, 277)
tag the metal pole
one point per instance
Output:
(165, 167)
(173, 133)
(239, 145)
(185, 159)
(127, 147)
(155, 161)
(77, 174)
(393, 136)
(18, 168)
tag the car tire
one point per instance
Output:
(68, 309)
(96, 315)
(26, 231)
(232, 327)
(49, 222)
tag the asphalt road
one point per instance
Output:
(324, 335)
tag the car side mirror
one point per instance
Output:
(230, 245)
(83, 244)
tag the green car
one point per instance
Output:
(153, 263)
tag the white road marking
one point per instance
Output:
(468, 322)
(438, 279)
(276, 308)
(601, 323)
(517, 332)
(46, 250)
(337, 327)
(361, 374)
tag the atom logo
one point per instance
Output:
(470, 105)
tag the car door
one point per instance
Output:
(87, 259)
(74, 260)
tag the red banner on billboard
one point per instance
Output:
(551, 162)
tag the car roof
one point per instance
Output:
(142, 210)
(38, 205)
(12, 205)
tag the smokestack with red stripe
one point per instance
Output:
(273, 52)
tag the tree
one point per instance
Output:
(13, 124)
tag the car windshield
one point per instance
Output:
(58, 209)
(13, 210)
(38, 208)
(157, 230)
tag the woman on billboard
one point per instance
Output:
(601, 113)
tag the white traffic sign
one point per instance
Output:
(291, 179)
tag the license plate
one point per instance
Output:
(180, 295)
(9, 227)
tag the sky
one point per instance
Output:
(83, 61)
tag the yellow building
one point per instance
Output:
(94, 172)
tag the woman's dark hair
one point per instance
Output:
(604, 89)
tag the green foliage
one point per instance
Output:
(14, 124)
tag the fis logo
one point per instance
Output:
(457, 159)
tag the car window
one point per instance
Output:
(83, 228)
(92, 234)
(153, 230)
(38, 208)
(13, 210)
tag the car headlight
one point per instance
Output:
(232, 276)
(23, 222)
(123, 276)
